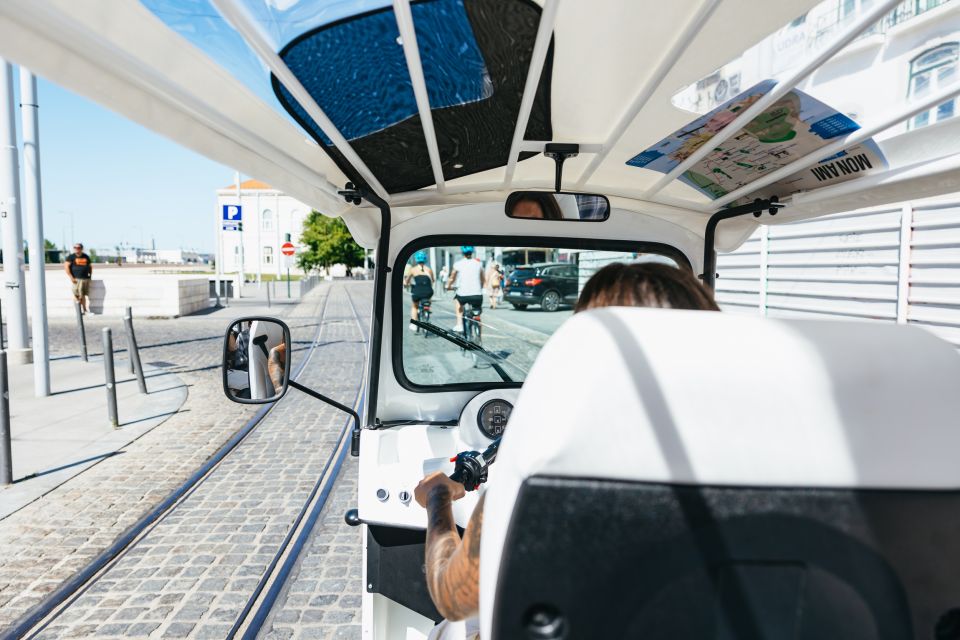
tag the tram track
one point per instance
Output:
(284, 562)
(45, 613)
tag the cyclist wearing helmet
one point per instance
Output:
(467, 277)
(420, 280)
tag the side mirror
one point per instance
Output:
(256, 360)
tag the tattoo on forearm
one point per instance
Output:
(453, 565)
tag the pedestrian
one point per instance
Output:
(494, 278)
(80, 270)
(443, 276)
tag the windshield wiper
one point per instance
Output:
(463, 343)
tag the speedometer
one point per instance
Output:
(492, 417)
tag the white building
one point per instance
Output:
(269, 218)
(900, 262)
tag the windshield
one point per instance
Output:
(483, 316)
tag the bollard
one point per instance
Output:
(128, 314)
(110, 378)
(6, 455)
(83, 334)
(134, 350)
(268, 294)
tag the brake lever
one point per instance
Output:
(472, 466)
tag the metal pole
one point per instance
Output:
(33, 212)
(128, 314)
(134, 350)
(243, 267)
(110, 378)
(1, 326)
(83, 334)
(268, 293)
(19, 349)
(288, 283)
(6, 455)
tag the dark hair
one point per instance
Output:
(547, 202)
(645, 284)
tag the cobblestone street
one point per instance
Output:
(195, 570)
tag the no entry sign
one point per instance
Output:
(287, 249)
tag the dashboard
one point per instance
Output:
(393, 460)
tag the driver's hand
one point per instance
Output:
(437, 481)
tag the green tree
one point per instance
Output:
(327, 241)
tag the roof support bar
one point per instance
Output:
(861, 24)
(651, 84)
(408, 35)
(540, 47)
(840, 144)
(245, 26)
(757, 207)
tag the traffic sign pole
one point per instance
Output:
(288, 250)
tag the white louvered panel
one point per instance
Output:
(934, 298)
(738, 282)
(839, 266)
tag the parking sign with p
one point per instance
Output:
(232, 217)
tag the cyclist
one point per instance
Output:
(420, 280)
(467, 277)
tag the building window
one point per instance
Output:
(268, 255)
(929, 72)
(266, 219)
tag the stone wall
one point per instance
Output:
(166, 295)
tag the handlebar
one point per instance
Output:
(471, 466)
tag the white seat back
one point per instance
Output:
(684, 397)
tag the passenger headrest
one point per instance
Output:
(710, 398)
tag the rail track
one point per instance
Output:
(262, 599)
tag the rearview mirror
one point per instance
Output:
(544, 205)
(256, 360)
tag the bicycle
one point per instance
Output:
(472, 329)
(423, 314)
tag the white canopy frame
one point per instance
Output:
(129, 59)
(540, 48)
(408, 36)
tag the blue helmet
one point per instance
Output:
(420, 257)
(466, 249)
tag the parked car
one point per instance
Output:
(548, 284)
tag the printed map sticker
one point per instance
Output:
(788, 129)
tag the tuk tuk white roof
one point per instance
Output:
(616, 64)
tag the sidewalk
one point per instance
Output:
(57, 437)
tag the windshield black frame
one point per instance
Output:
(399, 308)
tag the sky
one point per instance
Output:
(116, 182)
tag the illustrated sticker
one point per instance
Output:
(790, 128)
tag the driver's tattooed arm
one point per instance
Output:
(453, 565)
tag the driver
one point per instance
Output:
(420, 279)
(467, 276)
(452, 564)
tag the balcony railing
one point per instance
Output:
(841, 13)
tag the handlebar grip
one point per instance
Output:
(471, 466)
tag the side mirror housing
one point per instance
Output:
(256, 360)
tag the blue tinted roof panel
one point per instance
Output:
(356, 71)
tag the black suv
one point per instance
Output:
(549, 285)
